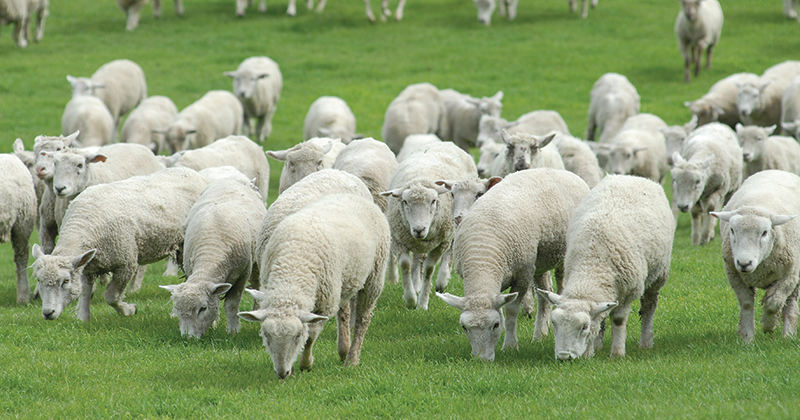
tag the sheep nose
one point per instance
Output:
(59, 190)
(520, 166)
(564, 356)
(419, 232)
(48, 313)
(458, 220)
(683, 208)
(744, 267)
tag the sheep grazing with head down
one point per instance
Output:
(304, 158)
(152, 114)
(619, 245)
(761, 250)
(761, 151)
(17, 216)
(327, 259)
(330, 116)
(258, 84)
(578, 158)
(613, 100)
(216, 115)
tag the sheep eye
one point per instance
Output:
(496, 325)
(202, 309)
(464, 328)
(764, 235)
(586, 327)
(478, 195)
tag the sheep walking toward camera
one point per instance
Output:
(304, 158)
(21, 12)
(790, 109)
(327, 259)
(464, 114)
(538, 123)
(761, 151)
(619, 246)
(89, 116)
(719, 104)
(759, 102)
(258, 84)
(418, 109)
(145, 120)
(371, 161)
(17, 217)
(216, 115)
(512, 237)
(613, 100)
(330, 116)
(44, 147)
(698, 27)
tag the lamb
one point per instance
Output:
(578, 158)
(705, 174)
(538, 123)
(17, 217)
(327, 259)
(464, 114)
(219, 255)
(613, 100)
(639, 148)
(329, 116)
(152, 114)
(420, 217)
(698, 27)
(790, 109)
(216, 115)
(413, 142)
(132, 8)
(489, 154)
(761, 250)
(759, 102)
(719, 104)
(761, 151)
(20, 12)
(115, 228)
(304, 158)
(790, 8)
(419, 109)
(512, 237)
(619, 246)
(257, 83)
(372, 162)
(524, 151)
(89, 116)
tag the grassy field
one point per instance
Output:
(415, 364)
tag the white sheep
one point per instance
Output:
(17, 216)
(151, 115)
(512, 237)
(132, 8)
(613, 100)
(762, 151)
(705, 174)
(218, 255)
(327, 259)
(525, 151)
(465, 192)
(464, 114)
(43, 149)
(790, 109)
(330, 116)
(217, 114)
(420, 216)
(790, 8)
(115, 228)
(215, 173)
(538, 123)
(20, 12)
(418, 109)
(257, 83)
(619, 245)
(88, 115)
(489, 153)
(577, 157)
(759, 102)
(413, 142)
(761, 250)
(304, 158)
(372, 162)
(719, 104)
(675, 135)
(698, 27)
(639, 148)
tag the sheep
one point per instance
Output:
(578, 158)
(524, 151)
(512, 237)
(372, 162)
(28, 158)
(217, 114)
(762, 151)
(790, 8)
(619, 246)
(790, 109)
(17, 217)
(218, 255)
(120, 84)
(257, 83)
(613, 100)
(329, 116)
(44, 167)
(675, 135)
(508, 8)
(573, 7)
(760, 250)
(237, 151)
(241, 6)
(706, 172)
(114, 228)
(132, 8)
(90, 116)
(20, 12)
(719, 104)
(464, 114)
(420, 217)
(698, 27)
(465, 192)
(759, 102)
(418, 109)
(538, 123)
(639, 148)
(152, 114)
(489, 153)
(223, 172)
(305, 158)
(413, 142)
(327, 259)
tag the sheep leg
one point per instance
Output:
(775, 299)
(19, 241)
(21, 31)
(133, 16)
(619, 321)
(788, 9)
(263, 128)
(391, 269)
(233, 298)
(370, 15)
(40, 19)
(409, 293)
(85, 299)
(501, 8)
(262, 6)
(696, 223)
(321, 6)
(398, 14)
(445, 267)
(511, 311)
(385, 12)
(597, 345)
(584, 9)
(292, 9)
(115, 291)
(543, 307)
(511, 6)
(428, 267)
(573, 5)
(178, 7)
(790, 314)
(307, 359)
(647, 311)
(309, 4)
(709, 54)
(366, 300)
(697, 52)
(343, 332)
(746, 296)
(156, 9)
(138, 280)
(686, 64)
(241, 6)
(590, 128)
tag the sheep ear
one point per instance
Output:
(512, 124)
(217, 290)
(778, 220)
(549, 296)
(396, 193)
(498, 96)
(763, 86)
(491, 182)
(677, 158)
(231, 74)
(452, 300)
(692, 124)
(278, 155)
(254, 316)
(71, 79)
(169, 287)
(503, 300)
(444, 186)
(257, 295)
(311, 318)
(37, 252)
(725, 216)
(71, 138)
(718, 111)
(707, 162)
(770, 129)
(19, 146)
(603, 307)
(505, 136)
(262, 76)
(83, 259)
(546, 140)
(96, 158)
(324, 131)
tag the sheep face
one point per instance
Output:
(481, 320)
(489, 152)
(43, 149)
(576, 324)
(690, 9)
(71, 174)
(522, 148)
(752, 235)
(623, 159)
(178, 137)
(245, 82)
(418, 206)
(59, 279)
(490, 105)
(753, 140)
(82, 86)
(485, 10)
(196, 304)
(299, 162)
(689, 180)
(748, 100)
(465, 193)
(489, 129)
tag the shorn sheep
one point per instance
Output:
(612, 100)
(698, 27)
(17, 217)
(21, 12)
(619, 246)
(258, 84)
(418, 109)
(761, 250)
(330, 116)
(327, 259)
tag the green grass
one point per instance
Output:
(415, 364)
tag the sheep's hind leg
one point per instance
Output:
(343, 324)
(790, 314)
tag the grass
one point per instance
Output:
(415, 364)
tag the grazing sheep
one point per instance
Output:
(17, 217)
(719, 104)
(88, 115)
(327, 259)
(761, 250)
(372, 162)
(761, 151)
(639, 148)
(43, 149)
(698, 27)
(619, 245)
(132, 8)
(538, 123)
(216, 115)
(20, 12)
(613, 100)
(413, 142)
(464, 114)
(790, 109)
(489, 154)
(420, 216)
(28, 158)
(512, 237)
(329, 116)
(790, 8)
(675, 135)
(418, 109)
(525, 151)
(151, 115)
(705, 174)
(218, 255)
(577, 157)
(115, 228)
(759, 102)
(304, 158)
(257, 83)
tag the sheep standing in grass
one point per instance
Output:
(613, 100)
(619, 246)
(538, 123)
(88, 115)
(28, 158)
(759, 102)
(372, 162)
(327, 259)
(115, 228)
(698, 27)
(525, 151)
(218, 255)
(512, 237)
(761, 151)
(413, 142)
(330, 116)
(790, 109)
(17, 216)
(577, 157)
(761, 250)
(418, 109)
(719, 104)
(257, 83)
(464, 114)
(216, 115)
(20, 12)
(639, 148)
(151, 115)
(43, 149)
(306, 157)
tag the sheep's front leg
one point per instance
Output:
(85, 299)
(321, 6)
(775, 298)
(619, 321)
(543, 307)
(233, 298)
(409, 293)
(370, 15)
(428, 267)
(697, 213)
(178, 4)
(391, 269)
(445, 267)
(307, 359)
(746, 296)
(115, 291)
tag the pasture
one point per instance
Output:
(414, 364)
